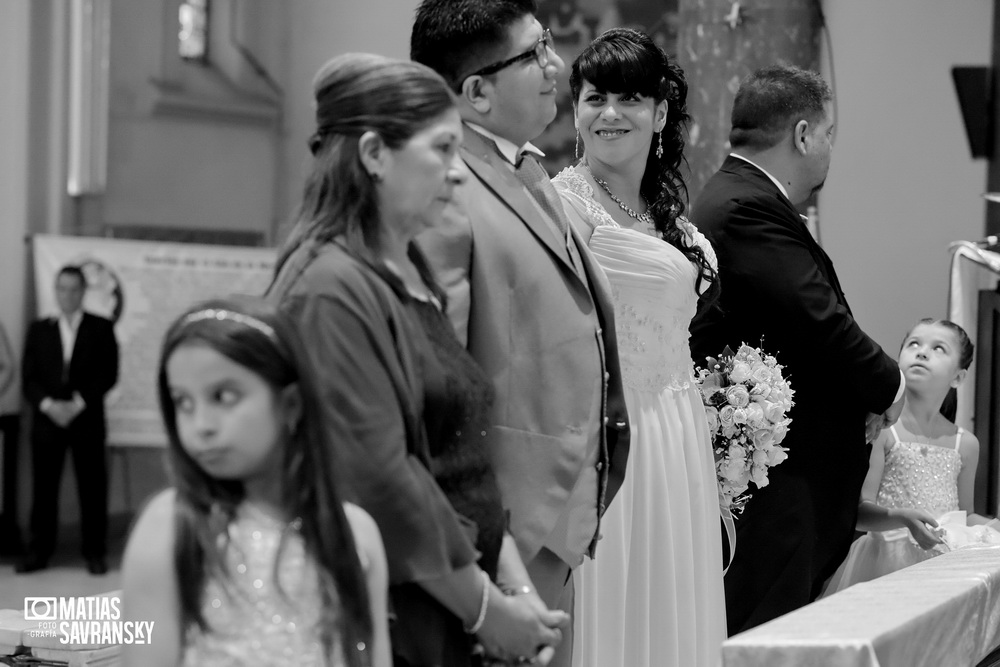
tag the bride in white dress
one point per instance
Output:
(654, 595)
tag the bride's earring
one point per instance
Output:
(659, 145)
(576, 145)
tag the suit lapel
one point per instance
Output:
(496, 174)
(55, 338)
(758, 179)
(82, 331)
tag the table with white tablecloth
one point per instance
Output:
(942, 612)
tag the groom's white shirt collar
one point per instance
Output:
(506, 147)
(766, 173)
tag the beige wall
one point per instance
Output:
(190, 146)
(319, 30)
(902, 184)
(14, 81)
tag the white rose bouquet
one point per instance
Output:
(746, 399)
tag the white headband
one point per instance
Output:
(221, 314)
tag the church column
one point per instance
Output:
(720, 42)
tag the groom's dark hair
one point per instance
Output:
(458, 37)
(771, 101)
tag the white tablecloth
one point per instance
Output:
(942, 612)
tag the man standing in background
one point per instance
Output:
(70, 363)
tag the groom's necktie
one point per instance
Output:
(534, 178)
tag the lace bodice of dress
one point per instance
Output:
(920, 476)
(250, 620)
(652, 284)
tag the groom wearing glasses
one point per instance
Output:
(525, 293)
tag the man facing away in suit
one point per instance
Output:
(779, 289)
(525, 293)
(70, 363)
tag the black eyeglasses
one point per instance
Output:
(540, 51)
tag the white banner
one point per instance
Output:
(142, 286)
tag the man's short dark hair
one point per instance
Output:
(771, 100)
(458, 37)
(75, 271)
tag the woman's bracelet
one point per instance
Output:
(475, 627)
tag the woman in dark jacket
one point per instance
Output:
(407, 406)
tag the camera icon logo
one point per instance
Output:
(40, 609)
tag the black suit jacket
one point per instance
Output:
(780, 290)
(93, 371)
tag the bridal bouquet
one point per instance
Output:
(746, 399)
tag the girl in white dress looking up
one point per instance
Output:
(251, 558)
(918, 494)
(654, 593)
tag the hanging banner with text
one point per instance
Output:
(142, 286)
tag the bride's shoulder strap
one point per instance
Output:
(578, 194)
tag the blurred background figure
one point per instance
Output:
(70, 363)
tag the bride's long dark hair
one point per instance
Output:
(623, 60)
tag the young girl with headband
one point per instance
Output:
(251, 556)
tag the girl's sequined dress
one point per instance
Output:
(918, 476)
(251, 621)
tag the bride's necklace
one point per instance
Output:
(644, 218)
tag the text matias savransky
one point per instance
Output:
(85, 620)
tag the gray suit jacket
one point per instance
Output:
(529, 320)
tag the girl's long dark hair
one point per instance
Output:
(356, 93)
(623, 60)
(206, 505)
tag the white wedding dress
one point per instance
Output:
(654, 595)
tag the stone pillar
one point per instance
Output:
(720, 42)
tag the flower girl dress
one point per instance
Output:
(654, 595)
(918, 476)
(250, 620)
